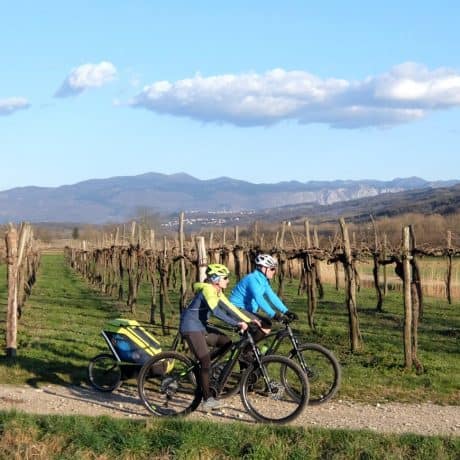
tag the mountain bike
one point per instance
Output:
(319, 364)
(273, 388)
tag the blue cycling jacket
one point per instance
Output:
(253, 291)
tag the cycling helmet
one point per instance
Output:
(266, 260)
(215, 272)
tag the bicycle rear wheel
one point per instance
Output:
(322, 369)
(168, 385)
(273, 402)
(104, 372)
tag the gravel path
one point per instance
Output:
(425, 419)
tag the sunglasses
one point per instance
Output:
(272, 269)
(224, 278)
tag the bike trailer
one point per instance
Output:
(129, 341)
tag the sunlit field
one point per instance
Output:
(433, 273)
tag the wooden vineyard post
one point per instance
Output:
(375, 269)
(238, 261)
(162, 265)
(294, 242)
(255, 236)
(23, 245)
(407, 275)
(336, 275)
(281, 260)
(283, 231)
(307, 233)
(211, 240)
(202, 258)
(417, 300)
(183, 286)
(11, 240)
(336, 263)
(384, 257)
(133, 232)
(416, 282)
(449, 268)
(139, 236)
(151, 262)
(319, 283)
(350, 285)
(310, 279)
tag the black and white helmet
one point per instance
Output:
(266, 260)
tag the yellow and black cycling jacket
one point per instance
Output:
(207, 300)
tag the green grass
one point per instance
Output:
(60, 327)
(70, 437)
(59, 333)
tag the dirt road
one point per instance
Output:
(426, 418)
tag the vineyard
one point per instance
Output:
(76, 293)
(333, 288)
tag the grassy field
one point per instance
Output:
(59, 333)
(76, 437)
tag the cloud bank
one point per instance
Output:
(87, 76)
(407, 92)
(13, 104)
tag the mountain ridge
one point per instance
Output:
(120, 198)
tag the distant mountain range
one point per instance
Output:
(117, 199)
(443, 201)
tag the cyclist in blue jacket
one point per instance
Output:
(254, 292)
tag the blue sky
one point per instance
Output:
(263, 91)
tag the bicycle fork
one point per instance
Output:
(296, 351)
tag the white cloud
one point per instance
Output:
(13, 104)
(407, 92)
(87, 76)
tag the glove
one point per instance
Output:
(278, 317)
(291, 316)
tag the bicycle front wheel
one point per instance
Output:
(322, 369)
(104, 372)
(168, 385)
(281, 397)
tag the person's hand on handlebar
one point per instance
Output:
(291, 316)
(242, 326)
(258, 323)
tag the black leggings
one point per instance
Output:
(198, 343)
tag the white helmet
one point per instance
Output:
(266, 260)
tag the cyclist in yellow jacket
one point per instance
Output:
(210, 299)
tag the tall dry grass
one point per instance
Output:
(433, 272)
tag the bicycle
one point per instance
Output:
(319, 364)
(273, 388)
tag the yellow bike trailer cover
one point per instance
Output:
(129, 341)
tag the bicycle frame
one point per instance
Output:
(278, 337)
(234, 350)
